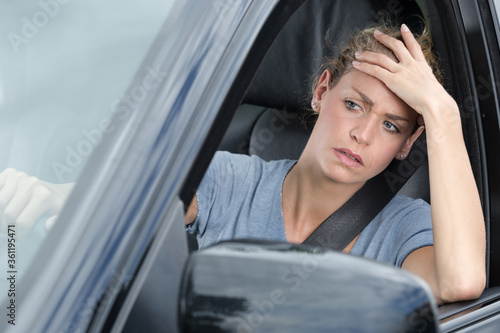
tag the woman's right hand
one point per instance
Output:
(25, 199)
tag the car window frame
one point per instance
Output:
(481, 57)
(106, 166)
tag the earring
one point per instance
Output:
(403, 156)
(314, 106)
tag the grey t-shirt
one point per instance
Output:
(240, 197)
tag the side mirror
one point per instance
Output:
(279, 287)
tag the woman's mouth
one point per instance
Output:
(348, 157)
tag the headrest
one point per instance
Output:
(284, 80)
(279, 134)
(271, 134)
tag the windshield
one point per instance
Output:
(65, 67)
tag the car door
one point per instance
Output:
(475, 49)
(129, 159)
(178, 70)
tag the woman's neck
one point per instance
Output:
(309, 198)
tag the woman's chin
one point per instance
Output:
(341, 175)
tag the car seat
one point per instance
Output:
(272, 122)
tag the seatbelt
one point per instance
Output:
(340, 228)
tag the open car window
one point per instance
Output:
(66, 70)
(72, 74)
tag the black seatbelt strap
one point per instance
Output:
(340, 228)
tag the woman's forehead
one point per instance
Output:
(373, 92)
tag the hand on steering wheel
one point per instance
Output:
(25, 199)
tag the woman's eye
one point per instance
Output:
(391, 127)
(351, 105)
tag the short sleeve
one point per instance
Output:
(403, 226)
(413, 230)
(223, 178)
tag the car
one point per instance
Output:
(129, 102)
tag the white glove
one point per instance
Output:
(25, 199)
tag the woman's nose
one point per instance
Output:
(364, 130)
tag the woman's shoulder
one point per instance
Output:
(245, 163)
(401, 202)
(401, 227)
(403, 211)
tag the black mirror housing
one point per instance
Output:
(243, 286)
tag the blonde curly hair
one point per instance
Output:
(365, 41)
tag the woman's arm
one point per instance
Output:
(192, 211)
(455, 266)
(25, 199)
(458, 224)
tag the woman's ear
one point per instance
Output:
(321, 89)
(405, 150)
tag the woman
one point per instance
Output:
(371, 102)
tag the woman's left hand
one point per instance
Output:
(412, 79)
(25, 199)
(457, 217)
